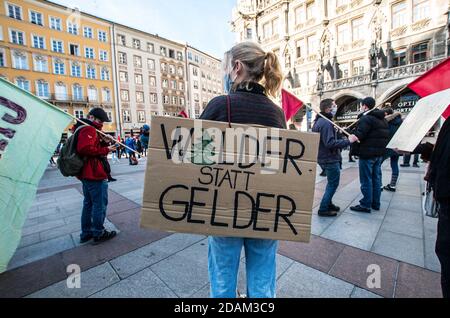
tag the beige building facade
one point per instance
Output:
(349, 49)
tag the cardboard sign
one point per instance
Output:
(206, 178)
(419, 121)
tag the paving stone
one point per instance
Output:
(416, 282)
(353, 230)
(146, 256)
(300, 281)
(430, 235)
(92, 281)
(401, 247)
(362, 293)
(29, 240)
(408, 203)
(203, 293)
(187, 271)
(39, 251)
(410, 224)
(42, 227)
(60, 231)
(320, 224)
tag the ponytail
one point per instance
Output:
(272, 74)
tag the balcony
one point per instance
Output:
(347, 82)
(410, 70)
(70, 99)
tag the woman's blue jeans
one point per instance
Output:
(223, 264)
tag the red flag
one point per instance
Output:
(183, 114)
(290, 104)
(435, 80)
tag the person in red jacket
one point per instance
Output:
(94, 178)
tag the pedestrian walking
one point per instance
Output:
(145, 138)
(373, 133)
(94, 178)
(246, 67)
(394, 120)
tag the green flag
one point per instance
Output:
(30, 130)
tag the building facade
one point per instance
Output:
(58, 54)
(349, 49)
(204, 78)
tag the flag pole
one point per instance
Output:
(102, 133)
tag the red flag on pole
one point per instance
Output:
(435, 80)
(183, 114)
(290, 104)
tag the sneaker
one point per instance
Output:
(327, 214)
(389, 188)
(359, 208)
(85, 239)
(376, 209)
(104, 237)
(334, 208)
(112, 180)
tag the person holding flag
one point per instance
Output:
(329, 157)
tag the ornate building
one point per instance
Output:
(349, 49)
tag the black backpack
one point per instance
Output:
(70, 163)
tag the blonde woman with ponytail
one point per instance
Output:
(251, 77)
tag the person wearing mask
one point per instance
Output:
(145, 138)
(94, 177)
(394, 121)
(252, 75)
(373, 134)
(329, 157)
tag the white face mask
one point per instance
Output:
(334, 111)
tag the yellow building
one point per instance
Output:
(58, 54)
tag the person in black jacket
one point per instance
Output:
(394, 120)
(373, 133)
(329, 156)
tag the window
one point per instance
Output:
(74, 49)
(72, 28)
(139, 97)
(104, 74)
(88, 32)
(23, 83)
(190, 56)
(121, 39)
(92, 94)
(357, 29)
(91, 72)
(275, 24)
(342, 33)
(123, 76)
(300, 45)
(59, 67)
(312, 44)
(419, 52)
(20, 61)
(172, 69)
(421, 10)
(311, 10)
(150, 47)
(174, 100)
(399, 58)
(180, 71)
(153, 98)
(165, 83)
(17, 37)
(124, 96)
(102, 36)
(122, 58)
(110, 116)
(89, 53)
(138, 79)
(171, 53)
(152, 81)
(398, 14)
(181, 86)
(75, 70)
(40, 64)
(136, 44)
(195, 84)
(106, 95)
(77, 92)
(196, 58)
(55, 24)
(38, 42)
(151, 64)
(344, 70)
(173, 84)
(196, 97)
(164, 67)
(60, 92)
(179, 56)
(137, 61)
(248, 33)
(163, 51)
(42, 89)
(57, 46)
(182, 101)
(2, 59)
(79, 114)
(14, 12)
(166, 99)
(103, 55)
(358, 67)
(36, 18)
(141, 116)
(195, 71)
(126, 116)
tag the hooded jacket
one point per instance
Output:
(373, 133)
(90, 147)
(394, 122)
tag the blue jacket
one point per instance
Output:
(130, 143)
(330, 146)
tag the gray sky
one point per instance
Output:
(201, 23)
